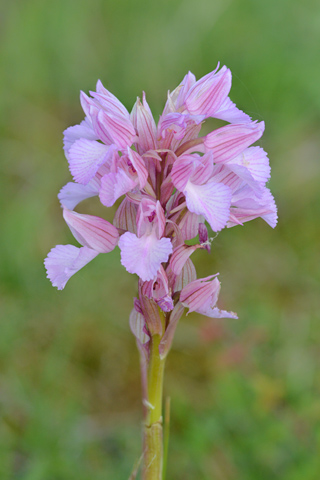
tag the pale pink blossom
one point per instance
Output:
(167, 185)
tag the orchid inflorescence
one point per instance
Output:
(173, 181)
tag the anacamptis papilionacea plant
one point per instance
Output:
(169, 183)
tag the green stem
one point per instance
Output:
(153, 447)
(166, 436)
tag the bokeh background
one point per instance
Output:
(245, 393)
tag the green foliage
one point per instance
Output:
(245, 394)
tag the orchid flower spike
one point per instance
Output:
(168, 184)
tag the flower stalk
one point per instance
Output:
(153, 429)
(153, 436)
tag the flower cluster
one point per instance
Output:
(173, 183)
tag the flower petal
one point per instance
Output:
(227, 142)
(103, 91)
(204, 237)
(114, 185)
(167, 338)
(125, 216)
(73, 193)
(63, 261)
(187, 275)
(87, 104)
(158, 289)
(137, 325)
(230, 113)
(203, 168)
(110, 103)
(160, 220)
(216, 313)
(212, 200)
(177, 123)
(183, 89)
(256, 161)
(119, 128)
(189, 225)
(93, 232)
(180, 256)
(247, 206)
(201, 296)
(144, 255)
(142, 119)
(86, 157)
(200, 293)
(139, 166)
(71, 134)
(208, 94)
(182, 171)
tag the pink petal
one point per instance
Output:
(93, 232)
(180, 256)
(212, 200)
(142, 119)
(203, 168)
(73, 193)
(176, 239)
(125, 216)
(145, 215)
(119, 128)
(230, 113)
(99, 127)
(177, 97)
(187, 275)
(160, 219)
(227, 142)
(165, 303)
(110, 104)
(166, 190)
(144, 255)
(182, 171)
(63, 261)
(271, 217)
(87, 104)
(201, 293)
(208, 94)
(137, 325)
(177, 124)
(137, 305)
(249, 206)
(167, 338)
(110, 97)
(222, 174)
(114, 185)
(150, 312)
(244, 174)
(201, 296)
(183, 89)
(216, 313)
(85, 159)
(256, 161)
(189, 225)
(71, 134)
(158, 289)
(139, 166)
(204, 237)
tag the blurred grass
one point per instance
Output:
(245, 394)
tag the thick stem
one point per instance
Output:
(152, 442)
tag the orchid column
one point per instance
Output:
(173, 183)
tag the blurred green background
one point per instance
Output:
(245, 393)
